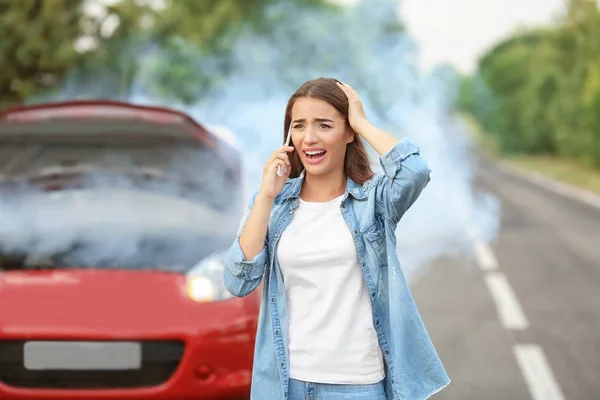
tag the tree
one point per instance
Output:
(185, 46)
(37, 45)
(582, 30)
(520, 75)
(545, 88)
(196, 40)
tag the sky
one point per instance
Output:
(458, 31)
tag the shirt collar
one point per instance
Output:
(295, 185)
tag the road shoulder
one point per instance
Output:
(552, 184)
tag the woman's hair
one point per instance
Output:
(356, 164)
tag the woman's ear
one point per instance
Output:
(351, 134)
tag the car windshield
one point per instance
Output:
(112, 203)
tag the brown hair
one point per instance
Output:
(356, 164)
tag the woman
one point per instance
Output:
(337, 319)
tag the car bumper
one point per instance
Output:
(212, 365)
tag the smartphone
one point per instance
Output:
(287, 143)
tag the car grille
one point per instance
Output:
(159, 361)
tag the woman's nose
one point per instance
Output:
(310, 137)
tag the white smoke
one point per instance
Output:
(165, 208)
(359, 45)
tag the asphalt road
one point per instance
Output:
(521, 321)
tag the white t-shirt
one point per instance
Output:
(332, 338)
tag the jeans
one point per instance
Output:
(299, 390)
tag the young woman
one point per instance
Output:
(337, 318)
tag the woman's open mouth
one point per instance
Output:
(314, 156)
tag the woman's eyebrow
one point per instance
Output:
(316, 119)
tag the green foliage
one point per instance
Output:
(36, 49)
(539, 91)
(188, 44)
(196, 52)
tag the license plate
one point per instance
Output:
(70, 355)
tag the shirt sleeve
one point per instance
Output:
(243, 276)
(405, 175)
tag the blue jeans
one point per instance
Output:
(299, 390)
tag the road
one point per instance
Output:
(521, 321)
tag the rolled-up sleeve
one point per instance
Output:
(242, 276)
(405, 175)
(244, 269)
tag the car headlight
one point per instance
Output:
(205, 280)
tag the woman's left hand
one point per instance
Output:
(356, 113)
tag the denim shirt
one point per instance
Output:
(372, 212)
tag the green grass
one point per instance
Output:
(561, 169)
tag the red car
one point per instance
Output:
(114, 219)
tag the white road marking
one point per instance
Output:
(533, 364)
(509, 310)
(538, 374)
(483, 253)
(485, 257)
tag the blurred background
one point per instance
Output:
(502, 250)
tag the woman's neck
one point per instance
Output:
(323, 187)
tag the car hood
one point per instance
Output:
(104, 304)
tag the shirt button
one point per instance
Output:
(291, 211)
(277, 332)
(273, 299)
(356, 231)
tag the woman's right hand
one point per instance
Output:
(272, 184)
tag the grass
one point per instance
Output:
(561, 169)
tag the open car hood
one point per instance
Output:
(102, 183)
(86, 121)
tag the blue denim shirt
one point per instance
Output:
(372, 212)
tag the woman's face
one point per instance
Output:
(320, 135)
